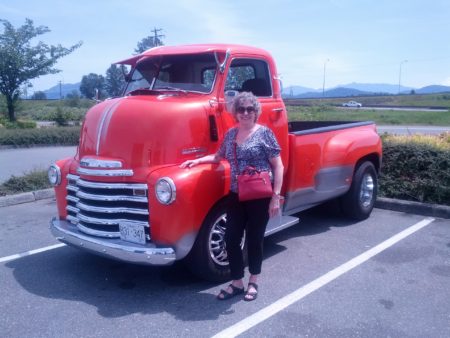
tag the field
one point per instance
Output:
(332, 110)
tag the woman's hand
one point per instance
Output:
(274, 206)
(189, 163)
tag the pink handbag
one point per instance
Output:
(254, 184)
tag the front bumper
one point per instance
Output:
(148, 254)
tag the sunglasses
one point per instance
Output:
(242, 110)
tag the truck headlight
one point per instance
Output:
(165, 190)
(54, 175)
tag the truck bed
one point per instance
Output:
(312, 127)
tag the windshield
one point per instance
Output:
(193, 73)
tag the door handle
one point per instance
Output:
(277, 110)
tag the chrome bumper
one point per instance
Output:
(148, 254)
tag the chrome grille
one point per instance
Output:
(97, 208)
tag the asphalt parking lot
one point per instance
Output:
(388, 276)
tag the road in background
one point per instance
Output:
(409, 130)
(20, 161)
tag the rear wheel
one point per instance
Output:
(208, 258)
(359, 201)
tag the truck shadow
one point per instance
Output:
(119, 289)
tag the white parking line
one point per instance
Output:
(316, 284)
(29, 253)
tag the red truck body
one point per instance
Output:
(124, 196)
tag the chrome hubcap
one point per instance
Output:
(366, 192)
(217, 248)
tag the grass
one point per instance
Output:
(382, 117)
(33, 180)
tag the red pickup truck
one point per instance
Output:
(124, 196)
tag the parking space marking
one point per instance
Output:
(29, 253)
(282, 303)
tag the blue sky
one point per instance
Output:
(365, 41)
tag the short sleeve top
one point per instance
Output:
(255, 151)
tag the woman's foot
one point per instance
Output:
(252, 292)
(231, 291)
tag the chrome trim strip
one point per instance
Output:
(97, 163)
(98, 233)
(108, 173)
(112, 197)
(72, 188)
(72, 219)
(86, 207)
(332, 128)
(115, 221)
(73, 209)
(130, 186)
(106, 113)
(72, 199)
(147, 254)
(72, 177)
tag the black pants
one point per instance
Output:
(251, 216)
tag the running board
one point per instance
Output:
(279, 223)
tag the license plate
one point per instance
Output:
(131, 232)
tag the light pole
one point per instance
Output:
(400, 75)
(324, 71)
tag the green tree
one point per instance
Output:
(39, 95)
(21, 62)
(114, 81)
(149, 42)
(91, 85)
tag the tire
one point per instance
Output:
(359, 201)
(208, 258)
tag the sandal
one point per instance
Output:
(227, 295)
(251, 295)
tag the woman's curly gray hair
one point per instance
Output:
(246, 96)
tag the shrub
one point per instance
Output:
(416, 168)
(34, 180)
(42, 136)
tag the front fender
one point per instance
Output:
(198, 189)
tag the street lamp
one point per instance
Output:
(400, 75)
(324, 70)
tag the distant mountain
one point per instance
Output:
(433, 89)
(360, 89)
(66, 88)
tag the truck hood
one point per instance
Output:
(143, 131)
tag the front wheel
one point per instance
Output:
(359, 201)
(208, 258)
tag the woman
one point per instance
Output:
(253, 145)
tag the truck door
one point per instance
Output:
(255, 75)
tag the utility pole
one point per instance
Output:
(324, 70)
(400, 75)
(157, 36)
(60, 90)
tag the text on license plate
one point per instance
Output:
(131, 232)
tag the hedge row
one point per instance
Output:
(43, 136)
(416, 168)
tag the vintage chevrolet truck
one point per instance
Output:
(124, 196)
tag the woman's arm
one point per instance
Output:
(277, 167)
(213, 158)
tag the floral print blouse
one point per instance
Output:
(255, 151)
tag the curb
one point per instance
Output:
(26, 197)
(425, 209)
